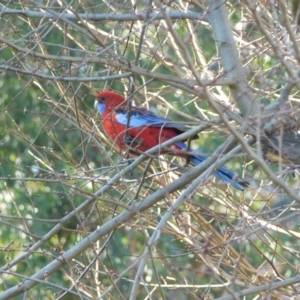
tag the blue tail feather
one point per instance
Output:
(222, 173)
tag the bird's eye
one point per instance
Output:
(102, 99)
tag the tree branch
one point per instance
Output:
(262, 288)
(218, 19)
(104, 17)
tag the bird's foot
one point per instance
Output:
(132, 142)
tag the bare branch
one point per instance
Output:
(218, 19)
(104, 17)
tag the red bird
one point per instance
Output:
(146, 130)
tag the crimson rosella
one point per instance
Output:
(146, 130)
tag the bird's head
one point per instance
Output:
(108, 100)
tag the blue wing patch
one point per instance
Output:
(140, 116)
